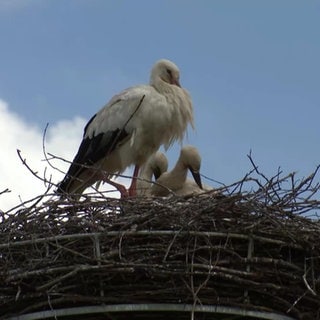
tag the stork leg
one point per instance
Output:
(121, 188)
(133, 187)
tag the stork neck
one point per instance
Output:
(146, 173)
(163, 87)
(180, 172)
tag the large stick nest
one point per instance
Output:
(245, 250)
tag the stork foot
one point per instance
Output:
(132, 192)
(123, 191)
(121, 188)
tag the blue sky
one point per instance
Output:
(252, 68)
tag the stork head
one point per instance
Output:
(166, 71)
(158, 164)
(190, 157)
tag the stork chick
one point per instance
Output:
(176, 179)
(156, 165)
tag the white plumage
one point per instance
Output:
(155, 166)
(132, 126)
(190, 187)
(176, 180)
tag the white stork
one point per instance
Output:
(155, 166)
(176, 180)
(132, 126)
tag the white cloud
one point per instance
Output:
(62, 140)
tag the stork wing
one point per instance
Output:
(93, 149)
(104, 132)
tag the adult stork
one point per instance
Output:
(177, 181)
(128, 129)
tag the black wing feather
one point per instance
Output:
(92, 150)
(88, 124)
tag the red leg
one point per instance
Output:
(121, 188)
(133, 187)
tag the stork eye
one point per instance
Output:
(169, 72)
